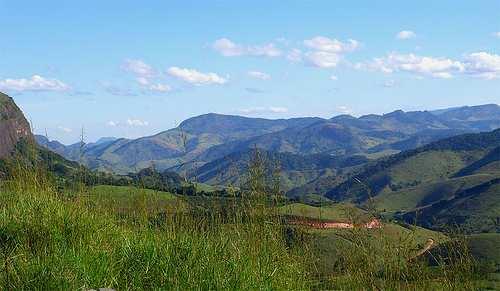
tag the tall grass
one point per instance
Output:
(66, 240)
(375, 260)
(53, 238)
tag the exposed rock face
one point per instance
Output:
(13, 126)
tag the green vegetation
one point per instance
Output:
(336, 212)
(410, 198)
(66, 232)
(120, 237)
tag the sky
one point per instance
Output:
(136, 68)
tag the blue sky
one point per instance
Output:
(134, 68)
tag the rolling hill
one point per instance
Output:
(434, 162)
(294, 170)
(209, 137)
(451, 182)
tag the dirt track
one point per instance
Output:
(374, 223)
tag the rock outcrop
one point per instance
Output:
(13, 126)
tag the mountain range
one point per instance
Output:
(206, 138)
(432, 168)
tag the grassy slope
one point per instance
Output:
(337, 212)
(126, 198)
(475, 210)
(408, 199)
(485, 246)
(51, 242)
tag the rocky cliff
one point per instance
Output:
(13, 126)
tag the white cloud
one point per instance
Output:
(112, 123)
(323, 59)
(406, 34)
(264, 110)
(326, 52)
(142, 81)
(479, 64)
(259, 75)
(496, 34)
(138, 67)
(267, 50)
(160, 88)
(137, 122)
(228, 48)
(36, 83)
(194, 77)
(344, 110)
(333, 78)
(325, 44)
(434, 67)
(278, 109)
(483, 65)
(64, 129)
(156, 88)
(294, 55)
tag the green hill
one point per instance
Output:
(435, 162)
(474, 210)
(294, 170)
(427, 193)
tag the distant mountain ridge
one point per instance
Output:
(209, 137)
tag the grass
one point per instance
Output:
(54, 240)
(129, 238)
(410, 198)
(385, 259)
(337, 212)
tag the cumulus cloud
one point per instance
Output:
(322, 59)
(325, 44)
(142, 81)
(153, 88)
(326, 52)
(480, 64)
(160, 88)
(344, 110)
(137, 122)
(264, 110)
(112, 123)
(333, 78)
(64, 129)
(406, 34)
(294, 55)
(36, 83)
(483, 65)
(228, 48)
(195, 77)
(435, 67)
(138, 67)
(259, 75)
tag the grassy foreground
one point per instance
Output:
(127, 238)
(74, 240)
